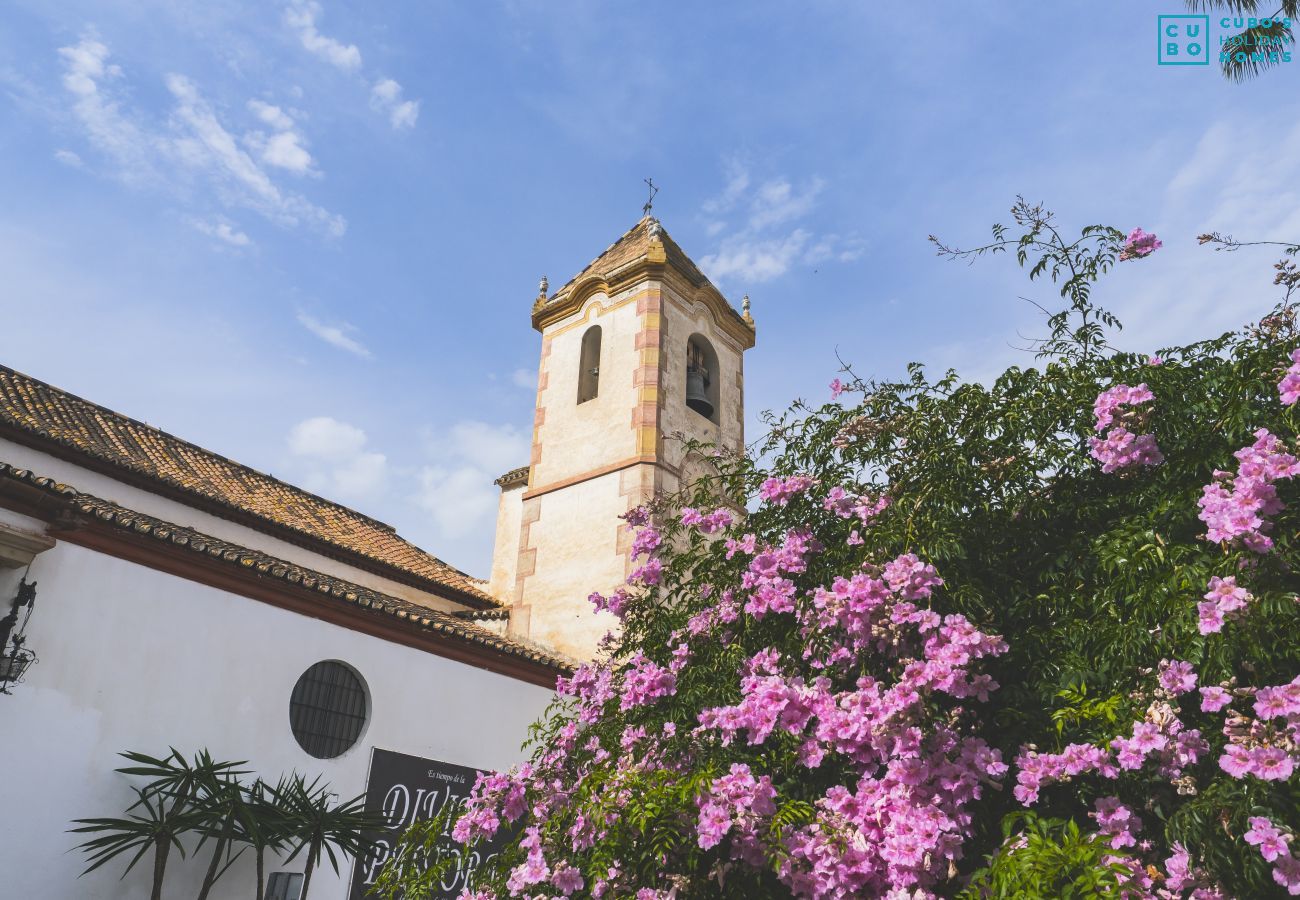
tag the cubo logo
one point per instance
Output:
(1184, 40)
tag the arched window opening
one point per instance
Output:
(589, 371)
(702, 377)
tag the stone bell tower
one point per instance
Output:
(636, 348)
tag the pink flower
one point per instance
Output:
(1271, 764)
(567, 879)
(1177, 677)
(1139, 244)
(1289, 387)
(1214, 699)
(1265, 835)
(837, 388)
(1235, 761)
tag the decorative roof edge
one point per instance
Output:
(417, 617)
(655, 260)
(513, 478)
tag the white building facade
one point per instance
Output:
(158, 621)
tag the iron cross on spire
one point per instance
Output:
(650, 202)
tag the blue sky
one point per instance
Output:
(307, 235)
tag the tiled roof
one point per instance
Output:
(513, 477)
(632, 246)
(330, 589)
(35, 409)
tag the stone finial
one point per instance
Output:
(654, 230)
(543, 287)
(744, 309)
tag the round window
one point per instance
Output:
(327, 709)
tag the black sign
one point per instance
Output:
(407, 789)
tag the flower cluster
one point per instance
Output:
(846, 505)
(1116, 409)
(1289, 386)
(1275, 846)
(781, 491)
(1117, 821)
(1235, 507)
(707, 523)
(1225, 600)
(646, 682)
(1267, 746)
(737, 803)
(1139, 244)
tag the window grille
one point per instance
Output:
(327, 710)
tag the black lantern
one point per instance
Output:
(15, 659)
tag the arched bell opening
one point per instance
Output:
(702, 377)
(589, 365)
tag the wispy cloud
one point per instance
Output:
(222, 231)
(192, 146)
(386, 94)
(525, 379)
(457, 489)
(301, 17)
(386, 98)
(334, 460)
(68, 158)
(756, 227)
(335, 335)
(88, 76)
(285, 148)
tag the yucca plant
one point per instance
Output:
(316, 824)
(165, 807)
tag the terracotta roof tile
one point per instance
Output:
(34, 408)
(459, 627)
(632, 246)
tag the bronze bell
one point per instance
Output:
(697, 397)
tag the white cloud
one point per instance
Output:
(335, 335)
(87, 75)
(765, 243)
(737, 183)
(222, 231)
(333, 458)
(326, 438)
(68, 158)
(271, 115)
(286, 148)
(193, 145)
(752, 259)
(301, 17)
(777, 202)
(457, 490)
(386, 97)
(524, 379)
(211, 149)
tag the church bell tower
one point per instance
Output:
(636, 348)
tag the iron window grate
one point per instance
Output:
(327, 709)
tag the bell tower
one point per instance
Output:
(636, 348)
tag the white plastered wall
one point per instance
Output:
(135, 659)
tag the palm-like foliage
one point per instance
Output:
(262, 825)
(1249, 50)
(167, 810)
(318, 825)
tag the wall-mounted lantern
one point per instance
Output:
(15, 658)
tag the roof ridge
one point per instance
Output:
(267, 503)
(204, 450)
(597, 258)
